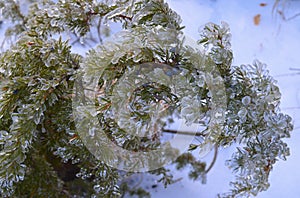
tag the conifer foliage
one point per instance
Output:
(44, 150)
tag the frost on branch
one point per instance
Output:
(236, 105)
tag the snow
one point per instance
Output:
(274, 42)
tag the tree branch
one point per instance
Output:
(124, 17)
(183, 132)
(214, 159)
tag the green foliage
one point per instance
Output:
(42, 154)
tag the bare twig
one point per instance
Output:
(139, 182)
(288, 74)
(124, 17)
(99, 30)
(287, 108)
(292, 17)
(214, 159)
(281, 13)
(294, 69)
(183, 132)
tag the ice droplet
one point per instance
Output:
(246, 100)
(205, 148)
(98, 188)
(92, 131)
(242, 113)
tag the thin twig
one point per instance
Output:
(292, 17)
(214, 159)
(2, 44)
(289, 74)
(288, 108)
(76, 40)
(294, 69)
(99, 30)
(124, 17)
(183, 132)
(139, 182)
(177, 180)
(280, 12)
